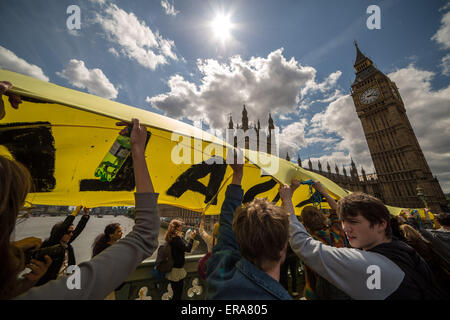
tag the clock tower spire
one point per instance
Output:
(396, 154)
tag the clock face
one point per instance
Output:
(370, 95)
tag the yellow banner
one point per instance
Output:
(61, 136)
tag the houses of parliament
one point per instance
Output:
(403, 177)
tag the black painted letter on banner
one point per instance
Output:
(32, 144)
(188, 180)
(260, 188)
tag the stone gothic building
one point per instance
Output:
(403, 177)
(402, 170)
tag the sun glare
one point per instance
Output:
(221, 27)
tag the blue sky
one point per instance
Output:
(292, 58)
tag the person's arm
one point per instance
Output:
(141, 175)
(182, 244)
(204, 235)
(350, 270)
(345, 268)
(81, 225)
(114, 265)
(332, 203)
(233, 199)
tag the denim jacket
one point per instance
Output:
(231, 276)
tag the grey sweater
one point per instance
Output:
(112, 267)
(346, 268)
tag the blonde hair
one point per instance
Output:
(415, 240)
(15, 184)
(412, 234)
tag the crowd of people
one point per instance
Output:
(357, 250)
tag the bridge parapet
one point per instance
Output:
(159, 289)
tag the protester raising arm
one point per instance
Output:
(233, 199)
(81, 224)
(105, 272)
(137, 138)
(345, 268)
(205, 235)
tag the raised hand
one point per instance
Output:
(238, 168)
(14, 99)
(138, 135)
(138, 138)
(318, 186)
(286, 193)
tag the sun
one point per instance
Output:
(221, 27)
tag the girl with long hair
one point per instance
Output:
(179, 246)
(112, 233)
(15, 184)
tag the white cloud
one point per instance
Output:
(113, 52)
(292, 138)
(169, 8)
(74, 32)
(101, 2)
(9, 61)
(340, 118)
(285, 117)
(271, 84)
(324, 86)
(93, 80)
(442, 36)
(137, 40)
(445, 65)
(330, 97)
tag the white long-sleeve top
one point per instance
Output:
(346, 268)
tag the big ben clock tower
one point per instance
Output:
(399, 162)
